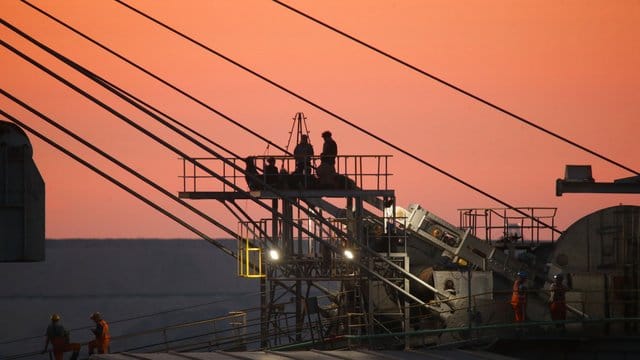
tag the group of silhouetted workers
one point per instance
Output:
(60, 340)
(302, 177)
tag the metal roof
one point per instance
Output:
(454, 354)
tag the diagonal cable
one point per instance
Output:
(154, 76)
(336, 116)
(128, 169)
(454, 87)
(110, 178)
(101, 81)
(174, 149)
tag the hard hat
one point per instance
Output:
(55, 317)
(522, 274)
(326, 133)
(96, 316)
(558, 277)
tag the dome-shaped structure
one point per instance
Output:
(604, 241)
(600, 256)
(21, 198)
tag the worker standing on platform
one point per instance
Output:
(271, 174)
(101, 332)
(327, 170)
(303, 153)
(251, 174)
(519, 297)
(58, 336)
(329, 150)
(557, 300)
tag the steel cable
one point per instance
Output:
(452, 86)
(331, 113)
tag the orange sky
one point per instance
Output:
(569, 66)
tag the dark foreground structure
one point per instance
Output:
(21, 198)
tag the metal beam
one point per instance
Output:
(563, 186)
(264, 194)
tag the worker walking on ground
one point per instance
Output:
(519, 297)
(557, 300)
(101, 332)
(58, 336)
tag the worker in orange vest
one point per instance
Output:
(557, 299)
(58, 336)
(519, 297)
(101, 332)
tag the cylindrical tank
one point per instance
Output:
(22, 198)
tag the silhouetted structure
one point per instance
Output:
(22, 198)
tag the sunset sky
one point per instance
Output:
(570, 66)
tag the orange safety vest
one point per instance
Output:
(105, 331)
(518, 296)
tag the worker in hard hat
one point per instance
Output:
(58, 336)
(103, 339)
(557, 300)
(519, 297)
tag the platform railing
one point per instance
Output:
(368, 172)
(241, 330)
(493, 224)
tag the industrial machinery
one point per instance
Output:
(344, 265)
(21, 198)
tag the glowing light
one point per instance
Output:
(274, 255)
(348, 254)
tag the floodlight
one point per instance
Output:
(274, 254)
(348, 254)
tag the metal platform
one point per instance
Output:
(265, 194)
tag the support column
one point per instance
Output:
(264, 314)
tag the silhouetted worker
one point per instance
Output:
(101, 332)
(557, 300)
(303, 153)
(271, 172)
(519, 297)
(326, 171)
(329, 150)
(58, 336)
(284, 178)
(251, 173)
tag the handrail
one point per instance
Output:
(490, 219)
(251, 334)
(367, 171)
